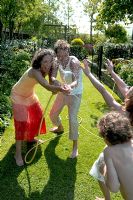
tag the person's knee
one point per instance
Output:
(73, 136)
(52, 115)
(73, 119)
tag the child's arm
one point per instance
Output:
(112, 180)
(119, 82)
(38, 76)
(106, 95)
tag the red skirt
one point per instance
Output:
(28, 127)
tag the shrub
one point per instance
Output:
(126, 73)
(125, 70)
(77, 49)
(77, 41)
(79, 52)
(13, 63)
(116, 51)
(5, 112)
(116, 33)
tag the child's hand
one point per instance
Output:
(109, 65)
(86, 68)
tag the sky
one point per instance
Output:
(79, 17)
(82, 20)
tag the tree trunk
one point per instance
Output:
(91, 22)
(1, 27)
(11, 28)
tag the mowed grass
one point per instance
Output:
(53, 175)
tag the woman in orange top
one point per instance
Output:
(27, 110)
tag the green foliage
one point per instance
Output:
(30, 17)
(114, 11)
(77, 41)
(91, 8)
(117, 33)
(13, 63)
(5, 106)
(4, 122)
(77, 49)
(5, 112)
(126, 72)
(112, 50)
(99, 39)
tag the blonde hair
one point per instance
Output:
(61, 44)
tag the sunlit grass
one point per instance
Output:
(53, 175)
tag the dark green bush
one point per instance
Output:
(13, 63)
(126, 73)
(5, 112)
(116, 51)
(79, 51)
(125, 70)
(116, 33)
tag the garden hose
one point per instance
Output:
(38, 143)
(79, 119)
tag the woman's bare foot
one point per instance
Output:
(74, 153)
(97, 198)
(56, 130)
(19, 161)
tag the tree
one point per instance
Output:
(91, 8)
(117, 33)
(65, 14)
(116, 10)
(15, 13)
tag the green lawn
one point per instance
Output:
(53, 175)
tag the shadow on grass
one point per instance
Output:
(61, 183)
(9, 173)
(102, 107)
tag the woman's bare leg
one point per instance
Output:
(75, 149)
(18, 155)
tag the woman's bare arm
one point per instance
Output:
(119, 82)
(38, 76)
(110, 101)
(53, 75)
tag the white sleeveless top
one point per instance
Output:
(67, 76)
